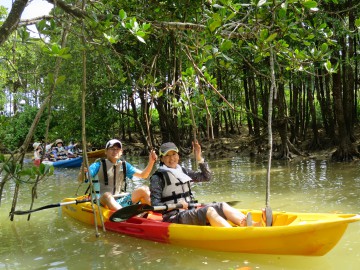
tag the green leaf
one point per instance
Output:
(189, 72)
(271, 37)
(214, 25)
(140, 33)
(122, 14)
(327, 65)
(357, 23)
(55, 48)
(146, 26)
(46, 169)
(321, 26)
(310, 4)
(60, 79)
(324, 47)
(311, 36)
(50, 78)
(264, 34)
(282, 13)
(65, 56)
(41, 25)
(226, 45)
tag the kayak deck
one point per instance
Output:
(311, 234)
(65, 163)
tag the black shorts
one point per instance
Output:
(193, 216)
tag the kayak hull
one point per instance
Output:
(310, 234)
(96, 153)
(66, 163)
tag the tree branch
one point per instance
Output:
(12, 20)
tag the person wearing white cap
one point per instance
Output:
(37, 153)
(109, 177)
(171, 183)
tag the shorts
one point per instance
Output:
(193, 216)
(125, 201)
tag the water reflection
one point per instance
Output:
(53, 241)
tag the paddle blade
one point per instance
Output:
(130, 211)
(19, 212)
(233, 203)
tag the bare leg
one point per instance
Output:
(237, 217)
(215, 219)
(141, 194)
(108, 200)
(234, 215)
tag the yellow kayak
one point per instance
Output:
(311, 234)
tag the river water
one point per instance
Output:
(51, 240)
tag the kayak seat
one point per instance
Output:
(154, 216)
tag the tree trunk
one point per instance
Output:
(315, 144)
(247, 102)
(281, 124)
(294, 100)
(254, 106)
(345, 150)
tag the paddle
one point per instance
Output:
(137, 209)
(19, 212)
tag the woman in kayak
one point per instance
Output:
(171, 184)
(37, 153)
(109, 177)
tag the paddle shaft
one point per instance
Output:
(19, 212)
(172, 206)
(137, 209)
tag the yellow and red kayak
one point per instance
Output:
(310, 234)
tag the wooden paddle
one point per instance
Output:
(19, 212)
(137, 209)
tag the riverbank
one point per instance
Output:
(240, 145)
(236, 145)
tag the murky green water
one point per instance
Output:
(51, 240)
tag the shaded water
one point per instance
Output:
(51, 240)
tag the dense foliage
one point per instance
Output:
(185, 69)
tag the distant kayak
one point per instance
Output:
(65, 163)
(96, 154)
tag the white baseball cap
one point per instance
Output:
(112, 142)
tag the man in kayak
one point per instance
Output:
(59, 151)
(109, 177)
(171, 184)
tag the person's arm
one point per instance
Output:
(204, 174)
(94, 169)
(197, 152)
(146, 172)
(156, 188)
